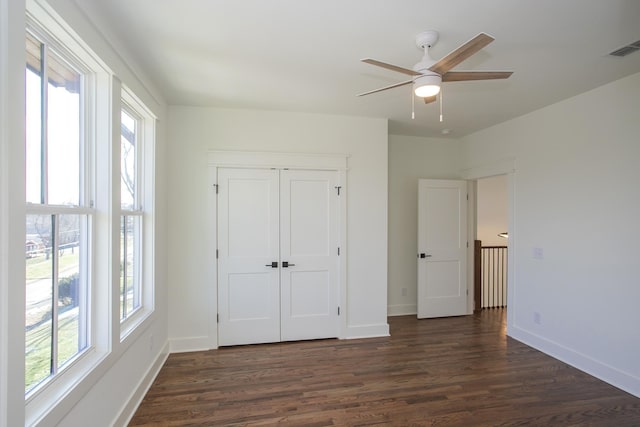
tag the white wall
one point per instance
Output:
(410, 159)
(491, 210)
(576, 198)
(105, 396)
(193, 131)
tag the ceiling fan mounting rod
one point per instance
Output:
(424, 41)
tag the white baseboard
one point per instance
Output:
(184, 345)
(129, 409)
(203, 343)
(609, 374)
(402, 309)
(367, 331)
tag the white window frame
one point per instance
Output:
(136, 211)
(96, 132)
(143, 209)
(84, 208)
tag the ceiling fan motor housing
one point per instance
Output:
(428, 79)
(427, 84)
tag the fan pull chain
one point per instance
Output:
(440, 106)
(413, 106)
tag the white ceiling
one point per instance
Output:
(304, 55)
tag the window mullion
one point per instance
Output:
(58, 210)
(138, 256)
(83, 292)
(55, 293)
(44, 128)
(139, 165)
(124, 266)
(85, 166)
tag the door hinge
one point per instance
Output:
(467, 197)
(217, 318)
(467, 291)
(216, 254)
(338, 310)
(338, 188)
(338, 250)
(216, 187)
(467, 244)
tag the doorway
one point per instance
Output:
(506, 167)
(491, 246)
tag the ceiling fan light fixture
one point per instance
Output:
(427, 85)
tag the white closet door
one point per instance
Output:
(248, 242)
(309, 212)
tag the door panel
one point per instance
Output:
(248, 240)
(442, 238)
(251, 216)
(309, 242)
(242, 308)
(310, 294)
(444, 278)
(309, 215)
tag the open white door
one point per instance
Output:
(248, 244)
(308, 250)
(442, 248)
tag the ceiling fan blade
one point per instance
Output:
(430, 99)
(387, 87)
(460, 76)
(391, 67)
(461, 53)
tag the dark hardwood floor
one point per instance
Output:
(460, 371)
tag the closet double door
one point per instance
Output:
(278, 266)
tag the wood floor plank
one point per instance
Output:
(460, 371)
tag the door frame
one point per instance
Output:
(271, 160)
(506, 167)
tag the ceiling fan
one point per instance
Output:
(428, 74)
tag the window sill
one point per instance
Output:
(51, 395)
(134, 322)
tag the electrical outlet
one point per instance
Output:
(404, 292)
(538, 253)
(537, 319)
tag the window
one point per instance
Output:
(84, 183)
(137, 133)
(131, 214)
(59, 213)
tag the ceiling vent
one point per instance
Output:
(626, 50)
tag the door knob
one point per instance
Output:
(274, 264)
(286, 264)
